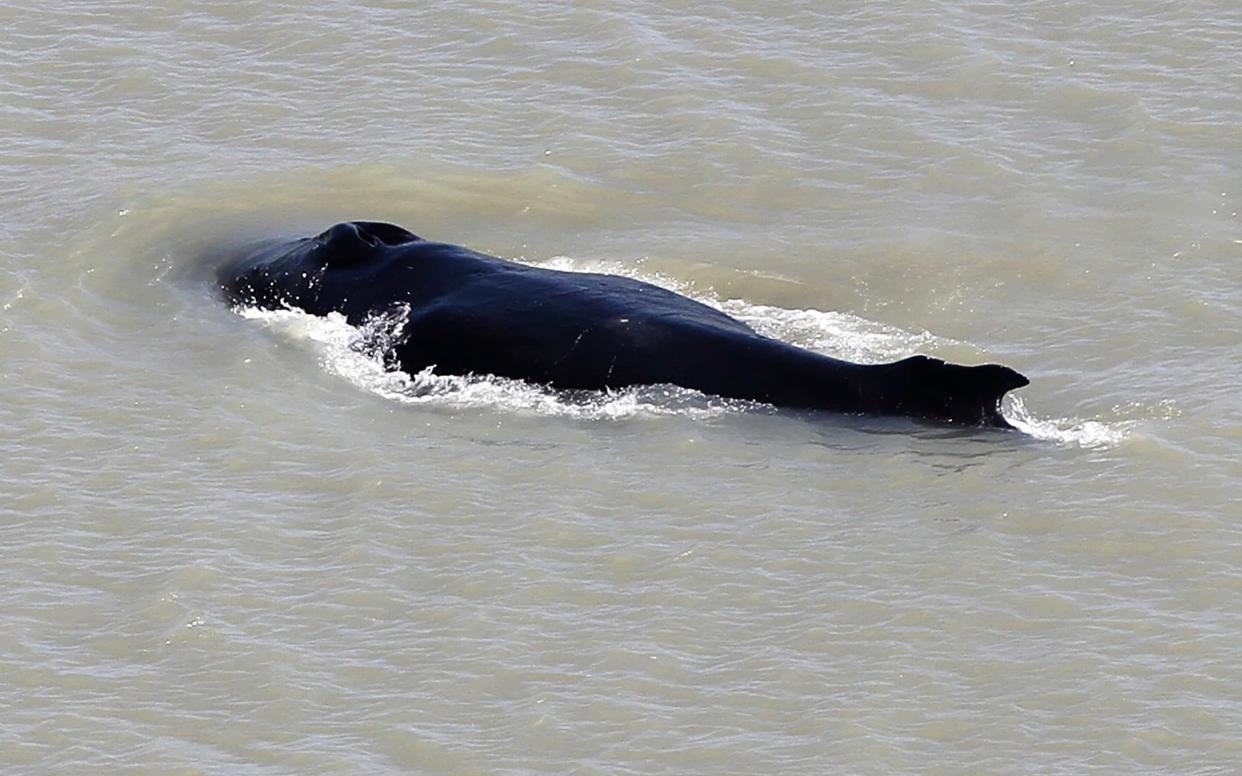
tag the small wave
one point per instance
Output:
(1067, 431)
(840, 335)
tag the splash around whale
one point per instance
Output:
(469, 313)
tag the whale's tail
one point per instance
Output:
(968, 395)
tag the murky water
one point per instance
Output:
(234, 544)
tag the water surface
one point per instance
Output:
(235, 545)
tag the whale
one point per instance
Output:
(463, 312)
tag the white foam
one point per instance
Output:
(1067, 431)
(840, 335)
(360, 355)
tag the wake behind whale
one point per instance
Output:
(466, 313)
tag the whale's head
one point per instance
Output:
(299, 273)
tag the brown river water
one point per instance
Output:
(233, 544)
